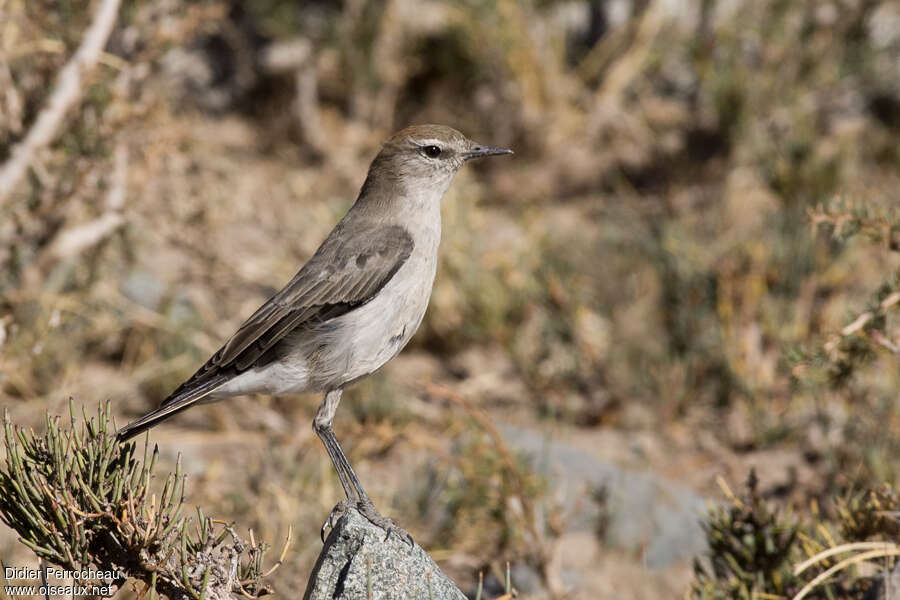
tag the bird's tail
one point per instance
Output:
(183, 398)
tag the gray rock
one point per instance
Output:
(357, 562)
(145, 288)
(643, 511)
(886, 587)
(526, 578)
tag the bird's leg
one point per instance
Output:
(322, 427)
(349, 481)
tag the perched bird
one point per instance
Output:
(352, 307)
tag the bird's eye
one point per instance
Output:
(431, 151)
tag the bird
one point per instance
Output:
(352, 307)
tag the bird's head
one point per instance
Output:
(423, 159)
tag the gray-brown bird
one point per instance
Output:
(353, 306)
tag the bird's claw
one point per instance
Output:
(367, 509)
(339, 509)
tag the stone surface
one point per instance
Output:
(644, 512)
(886, 587)
(357, 562)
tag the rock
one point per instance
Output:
(886, 587)
(527, 579)
(357, 562)
(145, 288)
(644, 512)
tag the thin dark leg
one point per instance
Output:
(361, 494)
(349, 481)
(340, 463)
(322, 427)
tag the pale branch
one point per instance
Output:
(297, 57)
(878, 223)
(66, 93)
(860, 322)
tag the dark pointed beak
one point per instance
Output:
(481, 151)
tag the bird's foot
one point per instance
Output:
(367, 509)
(336, 513)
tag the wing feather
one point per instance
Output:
(345, 273)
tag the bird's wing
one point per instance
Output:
(350, 267)
(348, 270)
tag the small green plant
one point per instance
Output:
(83, 502)
(756, 552)
(875, 513)
(749, 549)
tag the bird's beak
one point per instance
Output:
(481, 151)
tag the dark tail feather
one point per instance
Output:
(174, 404)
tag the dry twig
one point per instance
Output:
(859, 324)
(68, 90)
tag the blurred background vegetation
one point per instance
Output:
(689, 269)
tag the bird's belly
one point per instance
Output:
(278, 377)
(378, 330)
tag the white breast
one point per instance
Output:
(377, 331)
